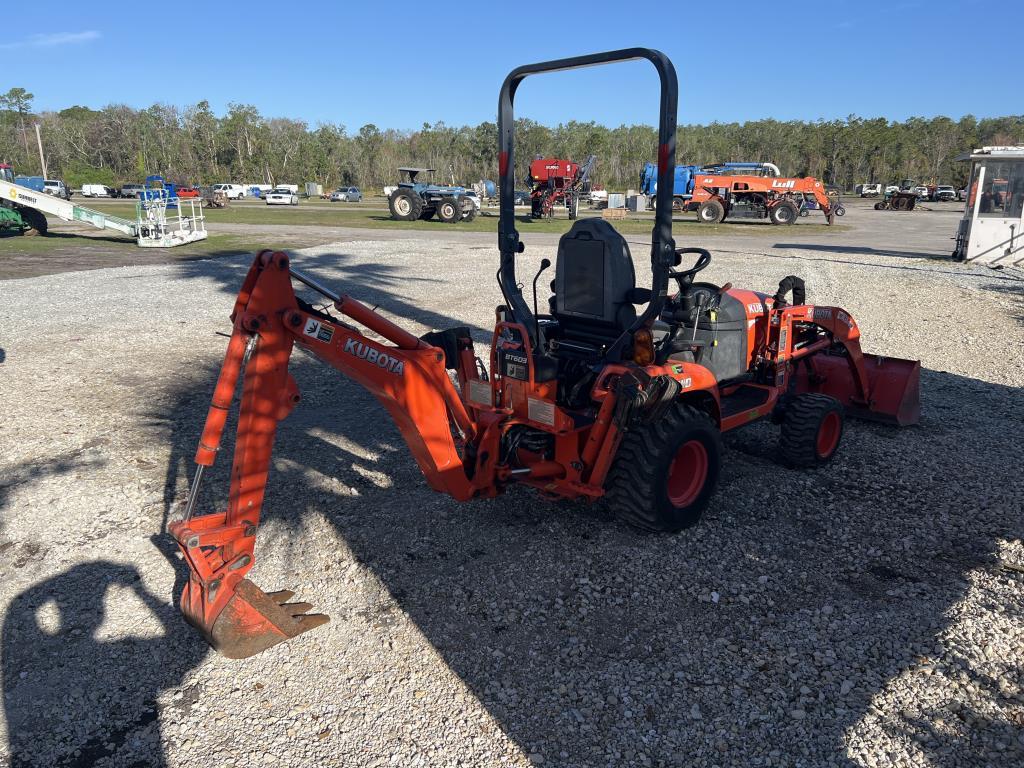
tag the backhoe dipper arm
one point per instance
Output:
(409, 379)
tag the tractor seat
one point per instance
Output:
(593, 288)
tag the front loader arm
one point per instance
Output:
(409, 379)
(870, 386)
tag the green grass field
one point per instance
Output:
(314, 213)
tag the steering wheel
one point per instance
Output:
(685, 278)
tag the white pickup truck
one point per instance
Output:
(231, 191)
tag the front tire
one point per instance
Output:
(783, 213)
(665, 473)
(405, 205)
(36, 221)
(812, 427)
(710, 212)
(449, 210)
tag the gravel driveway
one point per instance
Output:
(866, 614)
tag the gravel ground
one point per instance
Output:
(866, 614)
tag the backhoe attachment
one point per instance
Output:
(235, 616)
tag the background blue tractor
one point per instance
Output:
(421, 200)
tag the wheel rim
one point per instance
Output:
(403, 206)
(828, 435)
(687, 474)
(448, 211)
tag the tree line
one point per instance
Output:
(192, 145)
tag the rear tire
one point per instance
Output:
(449, 210)
(36, 221)
(783, 213)
(710, 212)
(405, 205)
(574, 207)
(665, 473)
(812, 427)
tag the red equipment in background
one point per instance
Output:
(716, 198)
(555, 181)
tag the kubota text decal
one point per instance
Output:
(372, 355)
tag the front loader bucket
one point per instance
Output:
(893, 386)
(894, 390)
(251, 620)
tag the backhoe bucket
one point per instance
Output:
(251, 621)
(893, 387)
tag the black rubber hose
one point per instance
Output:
(794, 284)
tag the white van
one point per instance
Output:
(231, 191)
(94, 190)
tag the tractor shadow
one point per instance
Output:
(72, 695)
(590, 643)
(75, 693)
(861, 250)
(1011, 284)
(376, 284)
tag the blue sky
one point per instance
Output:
(400, 64)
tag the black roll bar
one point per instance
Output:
(662, 245)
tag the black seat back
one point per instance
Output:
(594, 279)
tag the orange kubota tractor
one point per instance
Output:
(617, 393)
(717, 197)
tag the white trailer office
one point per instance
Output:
(991, 230)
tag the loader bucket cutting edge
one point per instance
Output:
(252, 620)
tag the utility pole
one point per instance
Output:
(42, 159)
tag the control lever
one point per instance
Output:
(697, 313)
(544, 264)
